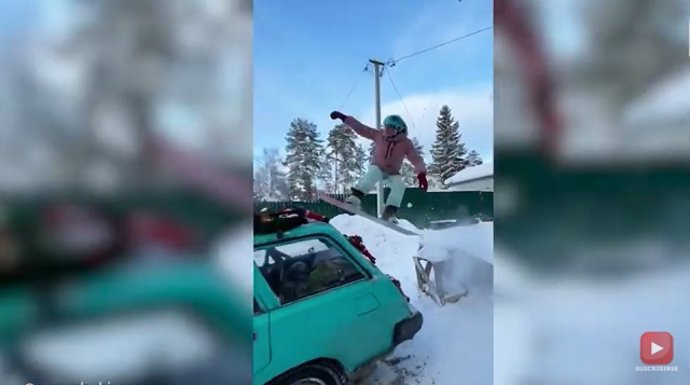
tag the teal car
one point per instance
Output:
(323, 312)
(115, 315)
(177, 324)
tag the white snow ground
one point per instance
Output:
(546, 330)
(567, 331)
(455, 344)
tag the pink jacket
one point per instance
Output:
(389, 152)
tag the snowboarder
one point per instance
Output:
(391, 146)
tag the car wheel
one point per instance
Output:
(313, 374)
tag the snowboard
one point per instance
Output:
(354, 210)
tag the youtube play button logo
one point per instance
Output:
(656, 348)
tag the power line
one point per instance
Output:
(393, 62)
(354, 86)
(390, 77)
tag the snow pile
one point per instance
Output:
(456, 340)
(407, 225)
(393, 251)
(433, 252)
(468, 255)
(568, 331)
(476, 240)
(483, 170)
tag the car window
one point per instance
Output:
(268, 256)
(305, 267)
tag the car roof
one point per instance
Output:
(297, 232)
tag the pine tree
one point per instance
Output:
(256, 192)
(473, 159)
(260, 184)
(362, 161)
(270, 180)
(325, 175)
(304, 161)
(609, 71)
(448, 151)
(407, 172)
(343, 156)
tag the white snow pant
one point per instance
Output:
(394, 182)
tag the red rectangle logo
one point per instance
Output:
(656, 348)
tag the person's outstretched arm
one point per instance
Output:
(361, 129)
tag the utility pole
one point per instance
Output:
(377, 86)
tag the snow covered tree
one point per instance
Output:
(407, 172)
(324, 177)
(615, 62)
(473, 159)
(448, 151)
(304, 159)
(343, 157)
(256, 194)
(371, 152)
(362, 161)
(88, 93)
(270, 178)
(261, 183)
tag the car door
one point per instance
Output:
(336, 316)
(261, 333)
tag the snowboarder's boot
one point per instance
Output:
(390, 214)
(355, 198)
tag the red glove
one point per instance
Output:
(423, 183)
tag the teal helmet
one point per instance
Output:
(395, 122)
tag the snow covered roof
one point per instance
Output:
(470, 174)
(653, 127)
(666, 100)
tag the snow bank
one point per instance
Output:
(468, 255)
(456, 341)
(476, 240)
(393, 250)
(568, 331)
(433, 252)
(407, 225)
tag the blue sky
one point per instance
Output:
(308, 55)
(14, 16)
